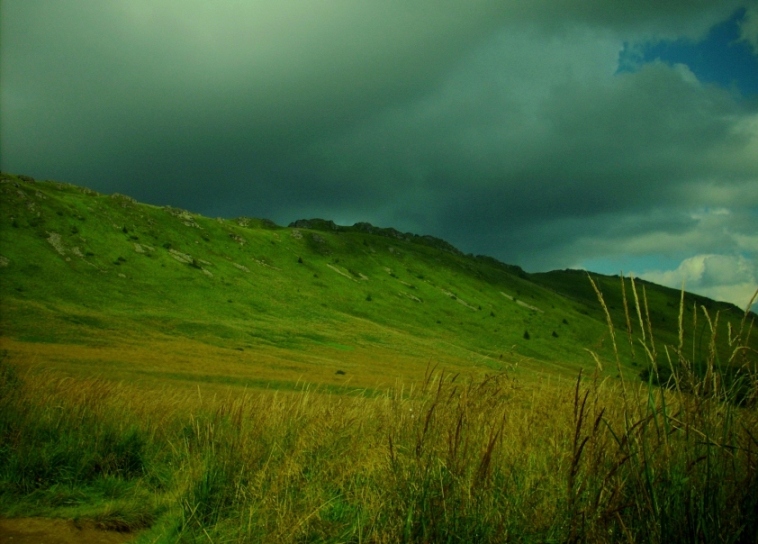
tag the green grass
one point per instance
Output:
(84, 269)
(252, 392)
(454, 458)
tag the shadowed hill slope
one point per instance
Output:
(91, 283)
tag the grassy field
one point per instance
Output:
(452, 459)
(190, 379)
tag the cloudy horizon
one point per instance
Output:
(550, 134)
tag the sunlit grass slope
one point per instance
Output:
(92, 283)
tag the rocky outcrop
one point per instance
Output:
(368, 228)
(315, 224)
(123, 200)
(54, 239)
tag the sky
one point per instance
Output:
(550, 134)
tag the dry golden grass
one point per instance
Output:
(490, 459)
(445, 456)
(185, 362)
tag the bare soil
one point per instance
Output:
(56, 531)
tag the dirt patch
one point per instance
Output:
(57, 531)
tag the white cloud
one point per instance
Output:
(730, 278)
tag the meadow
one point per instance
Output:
(162, 379)
(452, 459)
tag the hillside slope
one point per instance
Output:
(101, 284)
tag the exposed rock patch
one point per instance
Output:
(186, 217)
(522, 303)
(143, 248)
(87, 191)
(181, 257)
(341, 273)
(529, 306)
(54, 239)
(185, 258)
(409, 296)
(264, 263)
(458, 299)
(123, 200)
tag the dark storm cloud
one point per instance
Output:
(485, 158)
(253, 78)
(506, 127)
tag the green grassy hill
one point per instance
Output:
(94, 283)
(137, 344)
